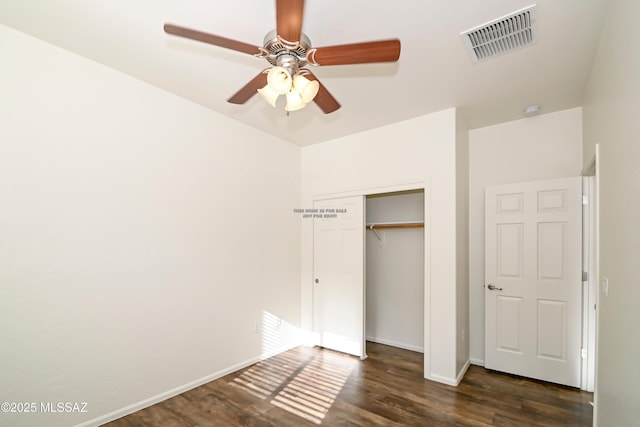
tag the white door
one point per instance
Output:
(533, 272)
(338, 265)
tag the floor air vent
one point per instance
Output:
(501, 35)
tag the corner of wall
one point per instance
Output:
(462, 245)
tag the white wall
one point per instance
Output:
(543, 147)
(395, 272)
(611, 109)
(420, 150)
(141, 238)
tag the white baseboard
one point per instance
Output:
(396, 344)
(443, 380)
(462, 372)
(95, 422)
(448, 380)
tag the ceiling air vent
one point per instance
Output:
(501, 35)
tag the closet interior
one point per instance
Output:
(395, 269)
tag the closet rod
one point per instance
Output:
(395, 225)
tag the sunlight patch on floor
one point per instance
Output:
(304, 385)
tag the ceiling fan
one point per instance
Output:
(288, 50)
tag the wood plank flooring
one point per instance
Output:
(313, 386)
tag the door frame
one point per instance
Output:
(424, 185)
(590, 266)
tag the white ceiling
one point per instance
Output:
(434, 71)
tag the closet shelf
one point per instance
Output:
(386, 225)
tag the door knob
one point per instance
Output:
(317, 281)
(492, 287)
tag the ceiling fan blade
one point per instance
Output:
(356, 53)
(211, 39)
(323, 99)
(289, 19)
(250, 89)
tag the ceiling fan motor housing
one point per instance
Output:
(281, 52)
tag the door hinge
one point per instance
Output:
(584, 353)
(585, 276)
(585, 199)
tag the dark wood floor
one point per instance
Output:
(312, 386)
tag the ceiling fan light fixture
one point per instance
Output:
(279, 80)
(294, 101)
(298, 89)
(269, 95)
(308, 89)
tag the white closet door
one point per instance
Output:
(533, 268)
(338, 265)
